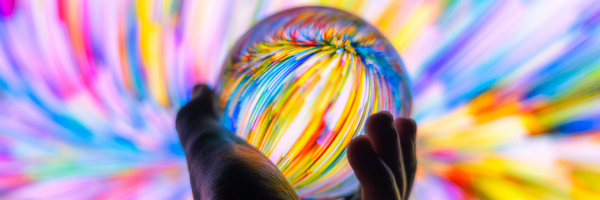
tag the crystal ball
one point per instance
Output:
(299, 86)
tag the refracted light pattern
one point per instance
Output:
(506, 93)
(300, 85)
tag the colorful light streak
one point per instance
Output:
(506, 93)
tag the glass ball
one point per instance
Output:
(299, 86)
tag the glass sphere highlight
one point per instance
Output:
(299, 86)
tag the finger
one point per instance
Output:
(407, 131)
(197, 90)
(384, 138)
(375, 177)
(199, 114)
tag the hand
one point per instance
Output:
(223, 166)
(384, 159)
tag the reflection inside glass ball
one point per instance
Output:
(299, 86)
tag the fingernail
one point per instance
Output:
(198, 90)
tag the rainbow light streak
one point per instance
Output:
(299, 86)
(506, 93)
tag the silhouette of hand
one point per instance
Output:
(223, 166)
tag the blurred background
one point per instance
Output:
(506, 93)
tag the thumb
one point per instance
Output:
(199, 114)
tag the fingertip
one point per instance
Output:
(358, 145)
(388, 114)
(360, 154)
(205, 97)
(383, 118)
(383, 136)
(202, 106)
(202, 90)
(197, 90)
(407, 128)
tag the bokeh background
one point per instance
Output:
(506, 93)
